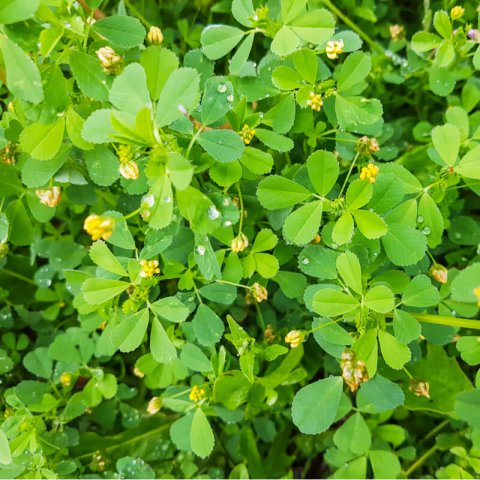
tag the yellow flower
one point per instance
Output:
(294, 338)
(476, 292)
(397, 32)
(196, 394)
(247, 134)
(149, 268)
(315, 101)
(66, 379)
(109, 59)
(154, 405)
(137, 372)
(369, 173)
(334, 48)
(98, 226)
(50, 196)
(155, 36)
(439, 273)
(457, 12)
(239, 243)
(129, 170)
(259, 292)
(316, 239)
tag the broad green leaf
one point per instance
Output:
(446, 140)
(404, 245)
(226, 174)
(285, 42)
(129, 90)
(282, 116)
(100, 290)
(354, 70)
(265, 240)
(74, 123)
(218, 40)
(316, 26)
(388, 192)
(171, 309)
(216, 101)
(266, 265)
(90, 77)
(243, 10)
(292, 284)
(9, 182)
(395, 354)
(13, 11)
(322, 170)
(306, 64)
(432, 219)
(3, 228)
(223, 145)
(441, 80)
(102, 165)
(356, 113)
(104, 258)
(315, 406)
(180, 170)
(343, 230)
(469, 165)
(257, 161)
(358, 194)
(291, 9)
(467, 406)
(193, 358)
(202, 439)
(385, 464)
(379, 395)
(162, 210)
(121, 236)
(275, 192)
(464, 284)
(442, 23)
(324, 330)
(420, 293)
(469, 348)
(38, 362)
(370, 224)
(380, 299)
(354, 435)
(274, 140)
(43, 142)
(231, 389)
(303, 224)
(5, 454)
(318, 262)
(180, 94)
(121, 30)
(161, 346)
(349, 268)
(239, 59)
(425, 41)
(331, 303)
(21, 228)
(130, 332)
(23, 77)
(405, 327)
(207, 325)
(98, 127)
(158, 63)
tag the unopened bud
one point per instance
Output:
(420, 388)
(439, 273)
(129, 170)
(50, 196)
(259, 292)
(154, 405)
(295, 338)
(155, 36)
(239, 243)
(109, 59)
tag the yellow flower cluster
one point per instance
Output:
(247, 134)
(334, 48)
(98, 226)
(196, 394)
(50, 196)
(353, 372)
(294, 338)
(315, 101)
(259, 292)
(457, 12)
(66, 379)
(149, 268)
(369, 173)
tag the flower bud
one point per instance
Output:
(8, 154)
(109, 59)
(457, 12)
(353, 372)
(66, 379)
(474, 34)
(397, 32)
(98, 226)
(154, 405)
(155, 36)
(419, 388)
(247, 134)
(50, 196)
(239, 243)
(129, 170)
(259, 292)
(295, 338)
(439, 273)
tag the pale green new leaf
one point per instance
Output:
(395, 354)
(100, 290)
(349, 268)
(41, 141)
(104, 258)
(202, 439)
(329, 302)
(303, 224)
(323, 170)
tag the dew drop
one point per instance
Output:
(227, 223)
(167, 199)
(221, 88)
(230, 98)
(426, 230)
(213, 213)
(201, 250)
(420, 219)
(305, 261)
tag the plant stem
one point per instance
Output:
(449, 321)
(420, 461)
(241, 208)
(373, 44)
(18, 275)
(349, 173)
(434, 431)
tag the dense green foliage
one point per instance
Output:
(239, 239)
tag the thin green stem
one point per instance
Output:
(434, 431)
(349, 173)
(449, 321)
(132, 214)
(19, 276)
(241, 208)
(420, 461)
(192, 141)
(323, 325)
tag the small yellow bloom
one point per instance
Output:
(457, 12)
(129, 170)
(109, 59)
(66, 379)
(369, 173)
(149, 268)
(420, 388)
(50, 196)
(247, 134)
(476, 292)
(154, 405)
(397, 32)
(239, 243)
(316, 239)
(294, 338)
(98, 226)
(439, 273)
(196, 394)
(259, 292)
(137, 372)
(155, 36)
(334, 48)
(315, 101)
